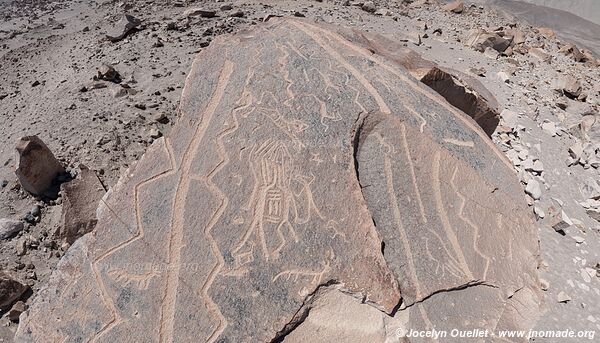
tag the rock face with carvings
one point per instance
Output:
(306, 171)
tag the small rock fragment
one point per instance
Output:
(10, 290)
(161, 118)
(9, 228)
(454, 7)
(539, 212)
(569, 86)
(546, 32)
(540, 54)
(561, 221)
(503, 76)
(481, 39)
(550, 128)
(563, 297)
(21, 246)
(576, 151)
(123, 27)
(578, 239)
(533, 189)
(200, 12)
(369, 6)
(108, 73)
(16, 310)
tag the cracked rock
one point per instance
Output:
(230, 228)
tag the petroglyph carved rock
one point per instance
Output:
(302, 161)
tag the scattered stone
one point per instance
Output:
(533, 189)
(478, 71)
(414, 37)
(155, 133)
(108, 73)
(36, 165)
(510, 118)
(80, 201)
(569, 86)
(160, 118)
(369, 6)
(540, 54)
(504, 77)
(454, 7)
(563, 297)
(546, 32)
(10, 290)
(572, 50)
(21, 247)
(200, 12)
(491, 53)
(518, 37)
(9, 228)
(594, 214)
(539, 213)
(575, 151)
(226, 7)
(30, 218)
(237, 14)
(578, 239)
(16, 310)
(550, 128)
(590, 189)
(123, 27)
(544, 284)
(383, 12)
(480, 39)
(585, 275)
(560, 222)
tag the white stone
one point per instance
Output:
(549, 128)
(563, 297)
(533, 189)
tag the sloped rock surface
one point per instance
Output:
(302, 161)
(81, 197)
(460, 90)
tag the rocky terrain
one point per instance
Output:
(98, 88)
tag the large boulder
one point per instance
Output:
(36, 165)
(305, 172)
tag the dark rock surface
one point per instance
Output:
(301, 161)
(36, 165)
